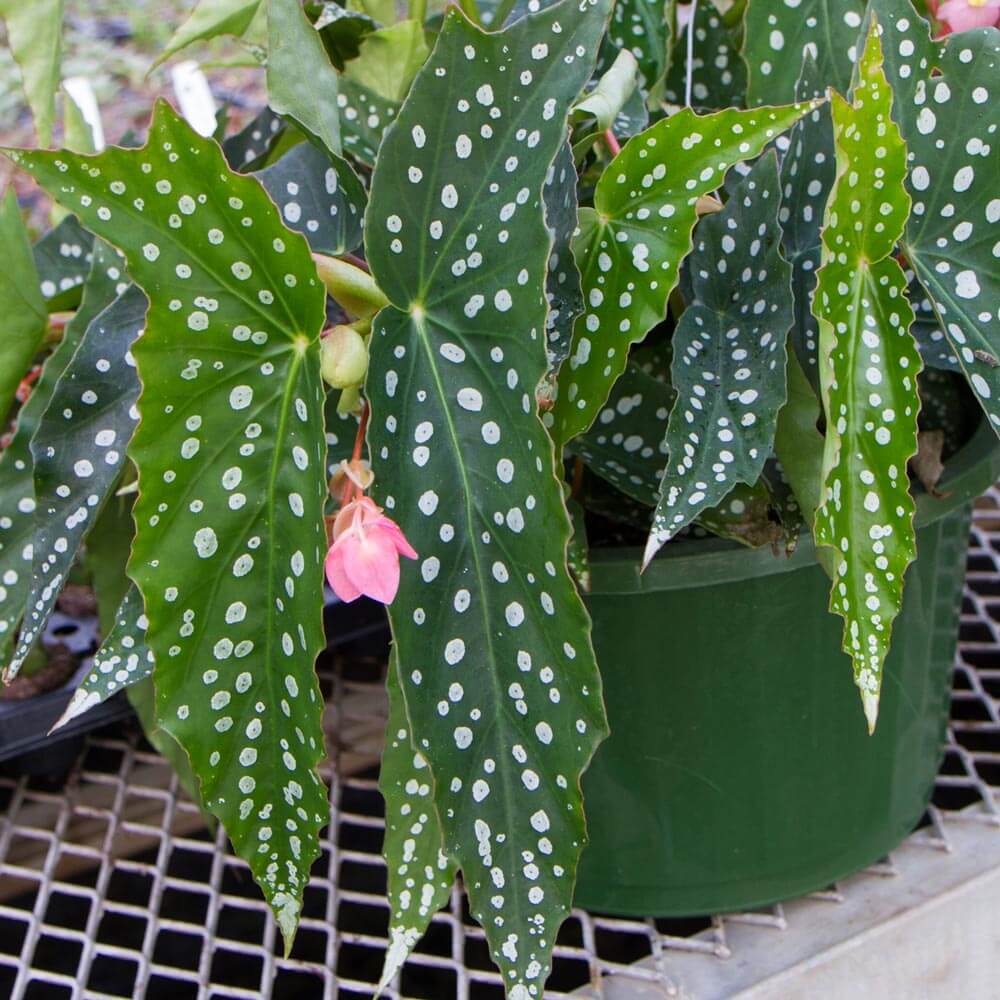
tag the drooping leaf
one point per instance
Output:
(63, 257)
(868, 376)
(25, 317)
(229, 531)
(948, 109)
(17, 483)
(364, 117)
(249, 148)
(209, 19)
(807, 172)
(342, 32)
(420, 875)
(625, 446)
(632, 242)
(319, 196)
(123, 659)
(389, 59)
(718, 72)
(729, 356)
(301, 82)
(495, 660)
(34, 34)
(562, 286)
(79, 449)
(780, 32)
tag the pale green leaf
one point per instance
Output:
(729, 356)
(229, 531)
(632, 242)
(21, 303)
(389, 59)
(868, 376)
(301, 82)
(34, 34)
(495, 659)
(209, 19)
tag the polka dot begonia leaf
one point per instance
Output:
(420, 874)
(643, 27)
(301, 82)
(729, 356)
(318, 196)
(718, 72)
(123, 659)
(79, 447)
(248, 149)
(364, 117)
(497, 669)
(778, 33)
(230, 451)
(17, 492)
(631, 243)
(868, 364)
(21, 300)
(807, 173)
(62, 258)
(935, 348)
(948, 108)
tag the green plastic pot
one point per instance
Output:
(739, 770)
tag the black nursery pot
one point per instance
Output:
(739, 770)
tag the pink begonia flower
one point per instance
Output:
(364, 557)
(963, 15)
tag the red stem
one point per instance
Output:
(612, 142)
(362, 265)
(359, 443)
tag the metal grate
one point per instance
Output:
(112, 886)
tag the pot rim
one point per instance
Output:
(706, 562)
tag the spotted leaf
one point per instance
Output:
(62, 258)
(562, 286)
(718, 72)
(318, 195)
(342, 31)
(123, 659)
(249, 148)
(807, 172)
(641, 27)
(364, 117)
(729, 356)
(779, 33)
(17, 483)
(493, 641)
(420, 875)
(230, 451)
(301, 82)
(632, 242)
(868, 376)
(26, 318)
(948, 108)
(79, 448)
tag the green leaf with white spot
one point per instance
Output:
(729, 356)
(26, 318)
(123, 659)
(948, 109)
(868, 376)
(420, 876)
(62, 258)
(364, 117)
(79, 446)
(229, 520)
(34, 35)
(642, 28)
(17, 482)
(718, 72)
(807, 173)
(632, 242)
(495, 659)
(389, 59)
(780, 32)
(301, 82)
(319, 196)
(209, 19)
(249, 148)
(342, 32)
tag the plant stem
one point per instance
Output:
(359, 443)
(612, 142)
(417, 11)
(471, 10)
(689, 68)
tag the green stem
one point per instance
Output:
(417, 11)
(502, 13)
(471, 10)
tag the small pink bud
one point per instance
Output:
(364, 556)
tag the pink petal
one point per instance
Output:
(372, 564)
(960, 16)
(394, 531)
(339, 580)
